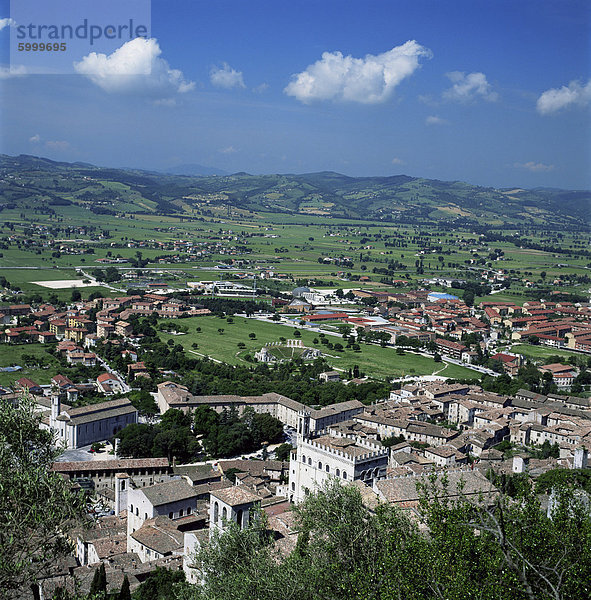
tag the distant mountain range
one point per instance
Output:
(194, 189)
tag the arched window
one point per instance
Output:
(189, 510)
(344, 475)
(145, 516)
(303, 458)
(319, 465)
(327, 469)
(338, 472)
(310, 461)
(216, 510)
(293, 486)
(224, 514)
(131, 508)
(170, 515)
(137, 512)
(181, 513)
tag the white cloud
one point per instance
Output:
(6, 23)
(428, 100)
(12, 71)
(57, 145)
(259, 89)
(534, 167)
(368, 80)
(135, 67)
(228, 150)
(467, 87)
(555, 99)
(226, 77)
(435, 120)
(168, 102)
(397, 161)
(35, 138)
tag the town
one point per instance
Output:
(295, 300)
(507, 411)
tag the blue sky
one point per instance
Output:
(490, 92)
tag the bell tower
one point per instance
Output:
(303, 424)
(56, 405)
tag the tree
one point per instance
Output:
(76, 295)
(266, 428)
(144, 402)
(37, 507)
(469, 297)
(492, 546)
(124, 593)
(283, 451)
(164, 584)
(98, 587)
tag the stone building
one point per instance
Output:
(173, 395)
(320, 456)
(153, 513)
(77, 427)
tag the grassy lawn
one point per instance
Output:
(373, 360)
(541, 353)
(13, 355)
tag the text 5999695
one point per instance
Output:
(42, 47)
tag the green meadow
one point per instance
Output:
(383, 363)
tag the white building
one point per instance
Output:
(149, 535)
(77, 427)
(173, 395)
(233, 504)
(319, 457)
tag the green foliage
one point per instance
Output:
(283, 451)
(512, 484)
(124, 593)
(266, 428)
(143, 401)
(556, 478)
(98, 587)
(490, 548)
(392, 440)
(228, 434)
(172, 437)
(163, 584)
(546, 450)
(37, 507)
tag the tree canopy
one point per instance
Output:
(37, 506)
(494, 547)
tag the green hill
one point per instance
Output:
(31, 182)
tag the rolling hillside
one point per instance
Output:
(35, 183)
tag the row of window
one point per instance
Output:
(181, 513)
(111, 474)
(241, 520)
(170, 514)
(326, 467)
